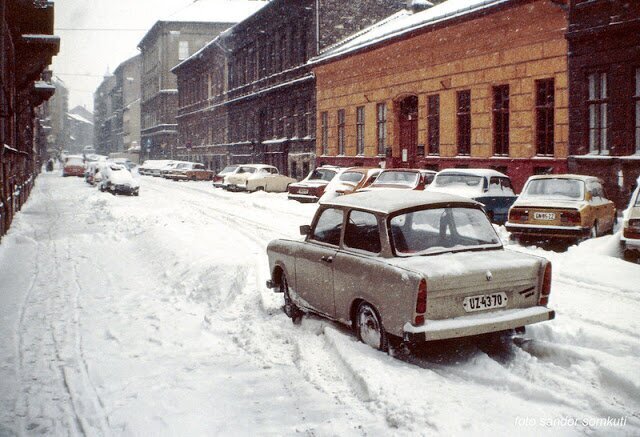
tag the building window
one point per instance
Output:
(545, 100)
(381, 126)
(341, 137)
(433, 121)
(324, 132)
(463, 114)
(501, 120)
(637, 99)
(360, 130)
(183, 50)
(597, 104)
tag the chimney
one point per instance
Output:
(418, 5)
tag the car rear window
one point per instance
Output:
(445, 180)
(322, 174)
(351, 176)
(569, 188)
(397, 177)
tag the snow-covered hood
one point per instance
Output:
(123, 177)
(547, 202)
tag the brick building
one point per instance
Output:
(604, 105)
(26, 48)
(105, 104)
(262, 107)
(167, 43)
(478, 85)
(80, 129)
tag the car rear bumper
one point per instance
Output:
(303, 197)
(475, 324)
(631, 243)
(548, 231)
(234, 187)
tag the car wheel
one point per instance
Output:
(290, 309)
(369, 328)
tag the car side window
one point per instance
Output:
(328, 227)
(362, 232)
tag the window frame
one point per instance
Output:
(597, 110)
(463, 122)
(500, 111)
(360, 119)
(433, 124)
(324, 132)
(545, 116)
(340, 126)
(381, 127)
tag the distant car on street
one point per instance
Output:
(117, 179)
(258, 177)
(631, 226)
(150, 165)
(312, 187)
(73, 166)
(410, 266)
(569, 207)
(189, 171)
(489, 187)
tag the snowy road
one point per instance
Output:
(149, 316)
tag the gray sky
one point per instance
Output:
(85, 55)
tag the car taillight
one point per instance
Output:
(570, 217)
(546, 286)
(518, 215)
(421, 302)
(632, 229)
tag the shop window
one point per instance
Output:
(501, 120)
(463, 113)
(381, 127)
(360, 130)
(433, 121)
(598, 118)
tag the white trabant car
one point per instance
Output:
(630, 237)
(408, 265)
(257, 177)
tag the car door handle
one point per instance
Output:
(327, 259)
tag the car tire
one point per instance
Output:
(290, 309)
(369, 328)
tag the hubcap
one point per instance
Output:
(369, 328)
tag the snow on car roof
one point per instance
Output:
(484, 172)
(565, 176)
(389, 200)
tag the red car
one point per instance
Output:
(311, 188)
(73, 166)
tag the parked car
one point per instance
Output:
(311, 188)
(191, 171)
(218, 179)
(403, 178)
(116, 179)
(124, 161)
(257, 177)
(350, 180)
(489, 187)
(73, 166)
(631, 226)
(147, 168)
(170, 166)
(91, 170)
(562, 206)
(408, 265)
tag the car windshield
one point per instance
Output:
(435, 230)
(229, 169)
(351, 176)
(397, 178)
(451, 179)
(552, 187)
(322, 174)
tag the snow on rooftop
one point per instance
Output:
(78, 118)
(218, 11)
(403, 22)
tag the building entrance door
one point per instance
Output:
(408, 123)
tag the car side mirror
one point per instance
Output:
(305, 230)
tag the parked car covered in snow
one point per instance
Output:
(350, 180)
(116, 179)
(562, 206)
(630, 237)
(489, 187)
(403, 178)
(409, 265)
(189, 171)
(152, 165)
(258, 177)
(311, 188)
(73, 166)
(218, 179)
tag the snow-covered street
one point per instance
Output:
(149, 315)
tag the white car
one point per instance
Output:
(630, 237)
(258, 177)
(218, 179)
(115, 178)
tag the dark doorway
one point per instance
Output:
(408, 121)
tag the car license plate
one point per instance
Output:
(544, 215)
(484, 302)
(303, 191)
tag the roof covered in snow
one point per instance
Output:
(79, 118)
(218, 11)
(402, 23)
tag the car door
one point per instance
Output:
(314, 263)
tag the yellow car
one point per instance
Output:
(631, 226)
(562, 207)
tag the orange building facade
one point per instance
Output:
(477, 88)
